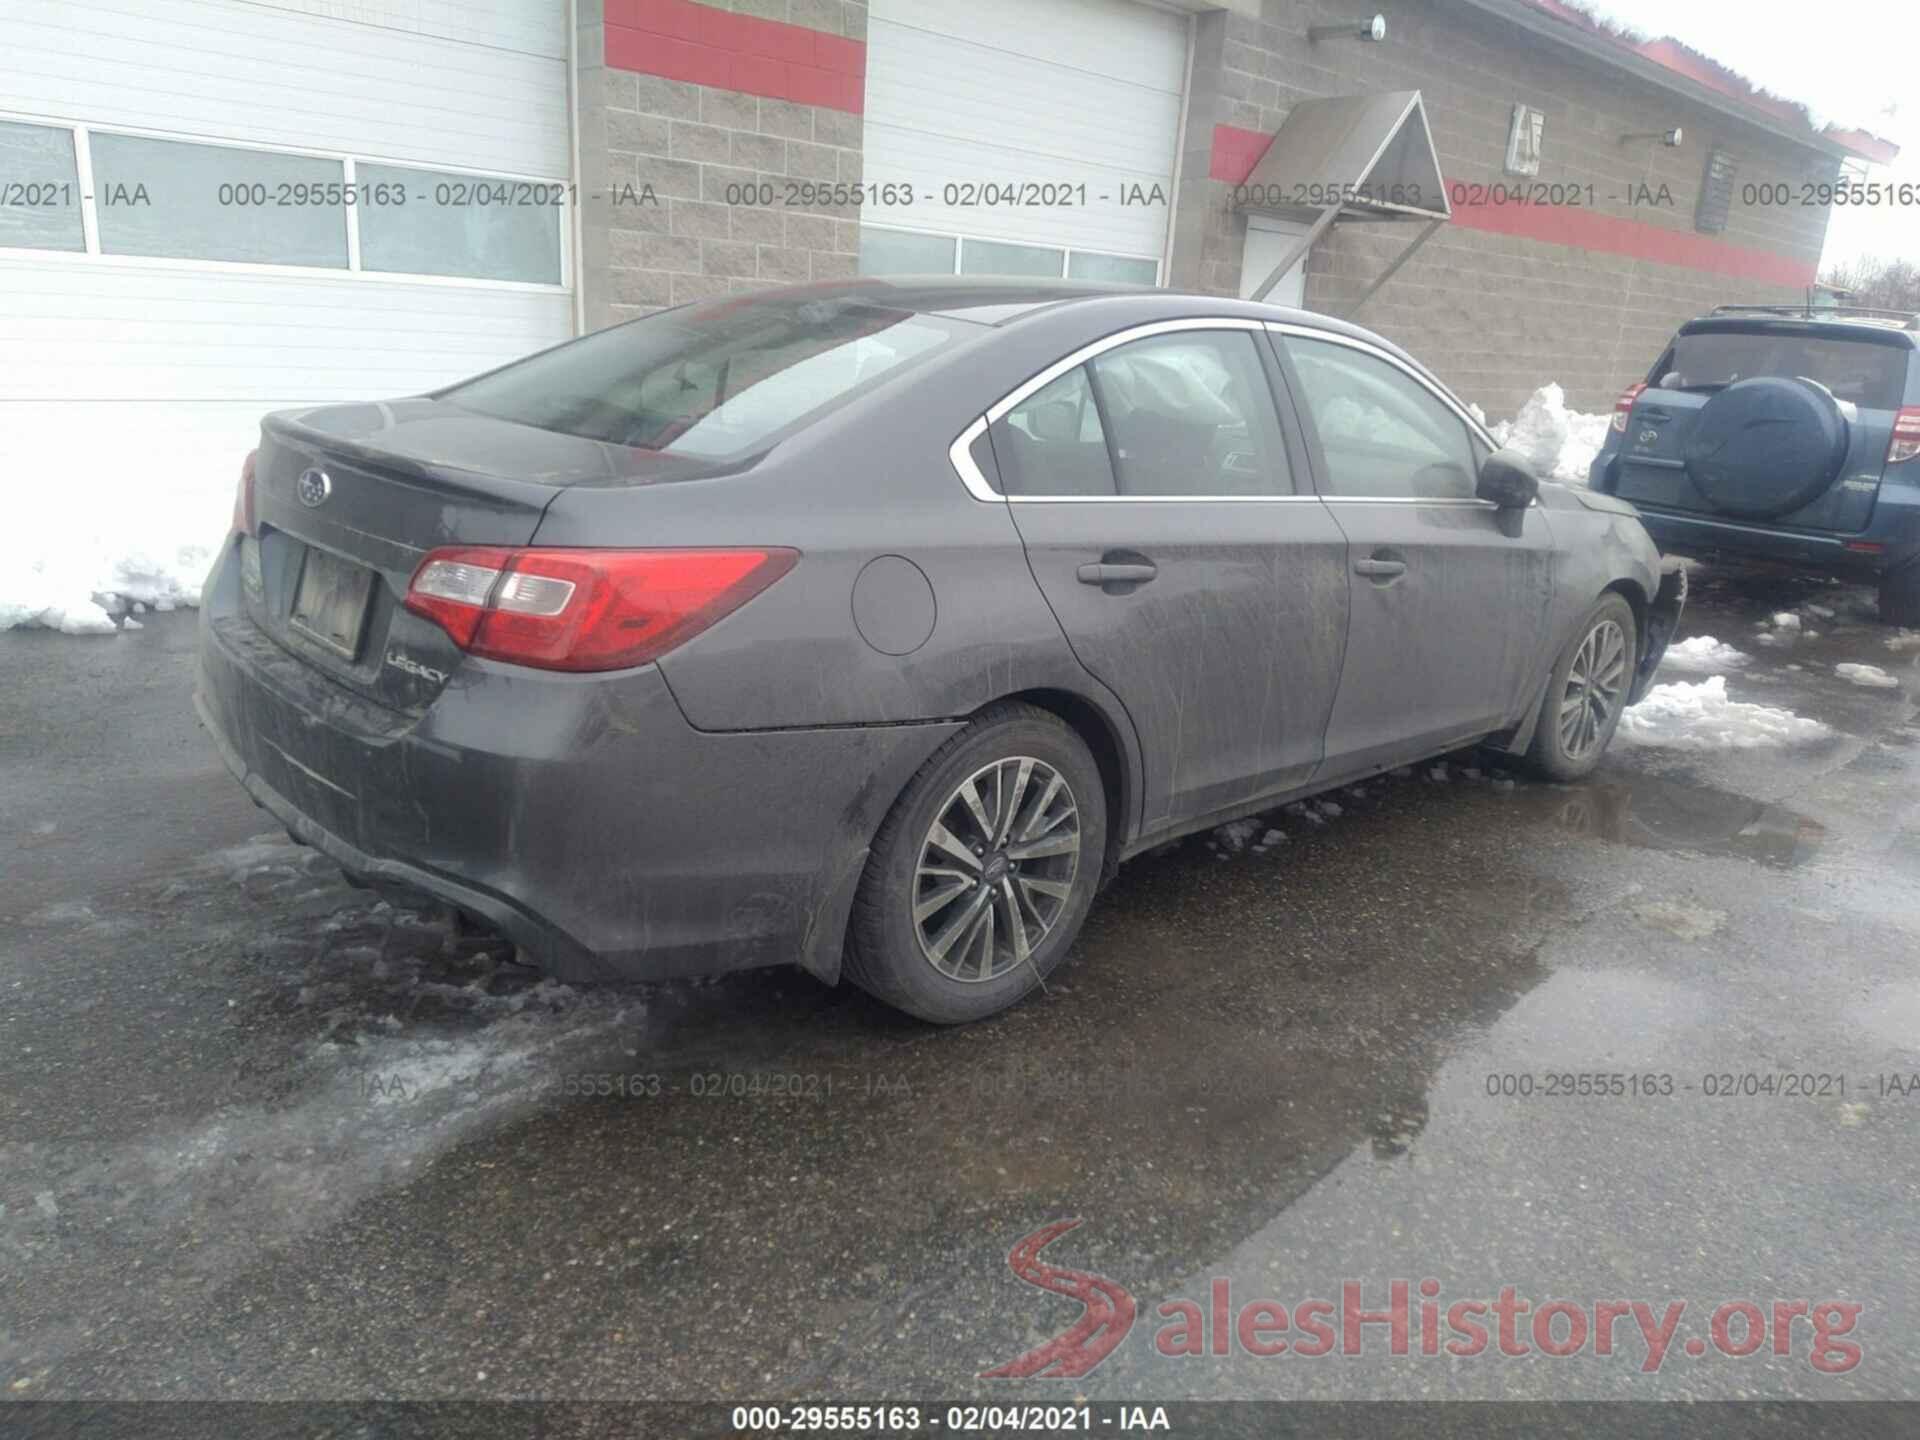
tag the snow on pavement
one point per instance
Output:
(1869, 675)
(1701, 716)
(77, 568)
(1703, 655)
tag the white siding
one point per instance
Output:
(224, 70)
(1076, 91)
(133, 387)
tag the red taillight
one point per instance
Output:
(1623, 407)
(585, 609)
(243, 497)
(1905, 443)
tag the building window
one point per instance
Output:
(902, 252)
(1085, 265)
(1524, 138)
(1716, 193)
(216, 202)
(885, 251)
(428, 222)
(39, 189)
(997, 257)
(177, 199)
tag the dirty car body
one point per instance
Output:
(644, 650)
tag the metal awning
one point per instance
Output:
(1352, 158)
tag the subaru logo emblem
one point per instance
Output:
(1647, 437)
(313, 487)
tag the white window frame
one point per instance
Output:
(89, 222)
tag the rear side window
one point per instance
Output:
(1872, 376)
(1053, 442)
(711, 381)
(1184, 414)
(1383, 433)
(1191, 413)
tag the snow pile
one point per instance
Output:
(1559, 443)
(1869, 675)
(1703, 655)
(81, 565)
(1681, 716)
(1904, 640)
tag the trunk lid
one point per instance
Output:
(399, 480)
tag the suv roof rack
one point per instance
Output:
(1908, 319)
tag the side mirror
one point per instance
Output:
(1507, 480)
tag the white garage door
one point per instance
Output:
(216, 208)
(1037, 136)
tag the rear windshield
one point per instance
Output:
(713, 380)
(1871, 376)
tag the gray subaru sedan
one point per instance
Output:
(869, 626)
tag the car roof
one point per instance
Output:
(1885, 329)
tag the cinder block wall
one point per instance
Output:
(1495, 314)
(692, 99)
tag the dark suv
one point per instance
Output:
(1781, 434)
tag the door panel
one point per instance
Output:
(1152, 486)
(1228, 658)
(1450, 596)
(1447, 648)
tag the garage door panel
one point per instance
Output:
(1010, 92)
(928, 162)
(1132, 41)
(68, 330)
(243, 72)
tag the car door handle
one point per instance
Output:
(1107, 572)
(1379, 569)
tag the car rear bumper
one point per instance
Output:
(579, 814)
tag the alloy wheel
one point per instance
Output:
(996, 869)
(1595, 683)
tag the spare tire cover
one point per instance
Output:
(1765, 446)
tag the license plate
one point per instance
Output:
(330, 604)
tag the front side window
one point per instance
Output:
(1191, 413)
(189, 201)
(711, 381)
(1383, 433)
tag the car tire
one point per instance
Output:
(1900, 596)
(895, 941)
(1595, 673)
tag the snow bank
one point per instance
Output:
(1558, 442)
(1703, 655)
(76, 568)
(1681, 716)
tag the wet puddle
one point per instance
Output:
(1671, 813)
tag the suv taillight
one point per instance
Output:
(243, 497)
(1905, 443)
(1623, 407)
(585, 609)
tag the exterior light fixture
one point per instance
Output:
(1669, 138)
(1374, 29)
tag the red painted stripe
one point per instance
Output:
(681, 40)
(1237, 151)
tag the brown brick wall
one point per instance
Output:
(1496, 315)
(691, 143)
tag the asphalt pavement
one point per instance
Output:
(265, 1136)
